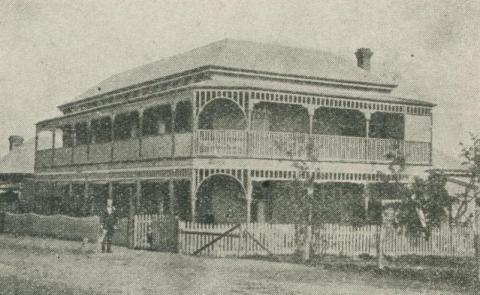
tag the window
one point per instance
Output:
(183, 117)
(125, 125)
(67, 136)
(157, 120)
(81, 133)
(101, 130)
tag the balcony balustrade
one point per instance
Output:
(240, 143)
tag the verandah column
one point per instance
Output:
(311, 114)
(171, 196)
(140, 131)
(53, 147)
(368, 116)
(366, 196)
(249, 192)
(248, 136)
(86, 191)
(173, 107)
(193, 196)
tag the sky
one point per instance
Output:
(52, 51)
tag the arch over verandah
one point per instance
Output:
(221, 198)
(222, 113)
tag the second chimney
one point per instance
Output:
(15, 141)
(363, 58)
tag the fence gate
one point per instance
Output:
(165, 233)
(238, 240)
(156, 232)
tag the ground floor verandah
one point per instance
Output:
(212, 195)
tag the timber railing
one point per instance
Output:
(239, 143)
(288, 145)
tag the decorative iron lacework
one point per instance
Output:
(203, 97)
(200, 175)
(243, 176)
(243, 98)
(268, 174)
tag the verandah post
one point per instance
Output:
(249, 190)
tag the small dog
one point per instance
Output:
(85, 247)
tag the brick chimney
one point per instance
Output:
(15, 141)
(363, 58)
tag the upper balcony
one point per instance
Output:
(228, 128)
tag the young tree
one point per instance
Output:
(424, 203)
(471, 161)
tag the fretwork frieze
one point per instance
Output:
(244, 97)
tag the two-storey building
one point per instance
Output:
(204, 134)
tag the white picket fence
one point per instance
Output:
(344, 240)
(142, 238)
(236, 239)
(281, 239)
(446, 241)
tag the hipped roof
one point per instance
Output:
(244, 55)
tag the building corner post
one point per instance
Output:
(193, 196)
(249, 192)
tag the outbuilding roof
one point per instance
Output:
(245, 55)
(20, 160)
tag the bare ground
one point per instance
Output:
(46, 266)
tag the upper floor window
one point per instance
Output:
(183, 117)
(81, 133)
(157, 120)
(125, 126)
(67, 135)
(101, 130)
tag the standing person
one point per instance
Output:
(108, 223)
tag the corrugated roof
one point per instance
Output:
(246, 55)
(20, 160)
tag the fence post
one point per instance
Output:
(240, 239)
(175, 235)
(380, 240)
(308, 243)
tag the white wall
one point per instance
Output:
(418, 128)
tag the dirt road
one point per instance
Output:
(43, 266)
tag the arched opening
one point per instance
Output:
(222, 114)
(387, 125)
(332, 121)
(221, 199)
